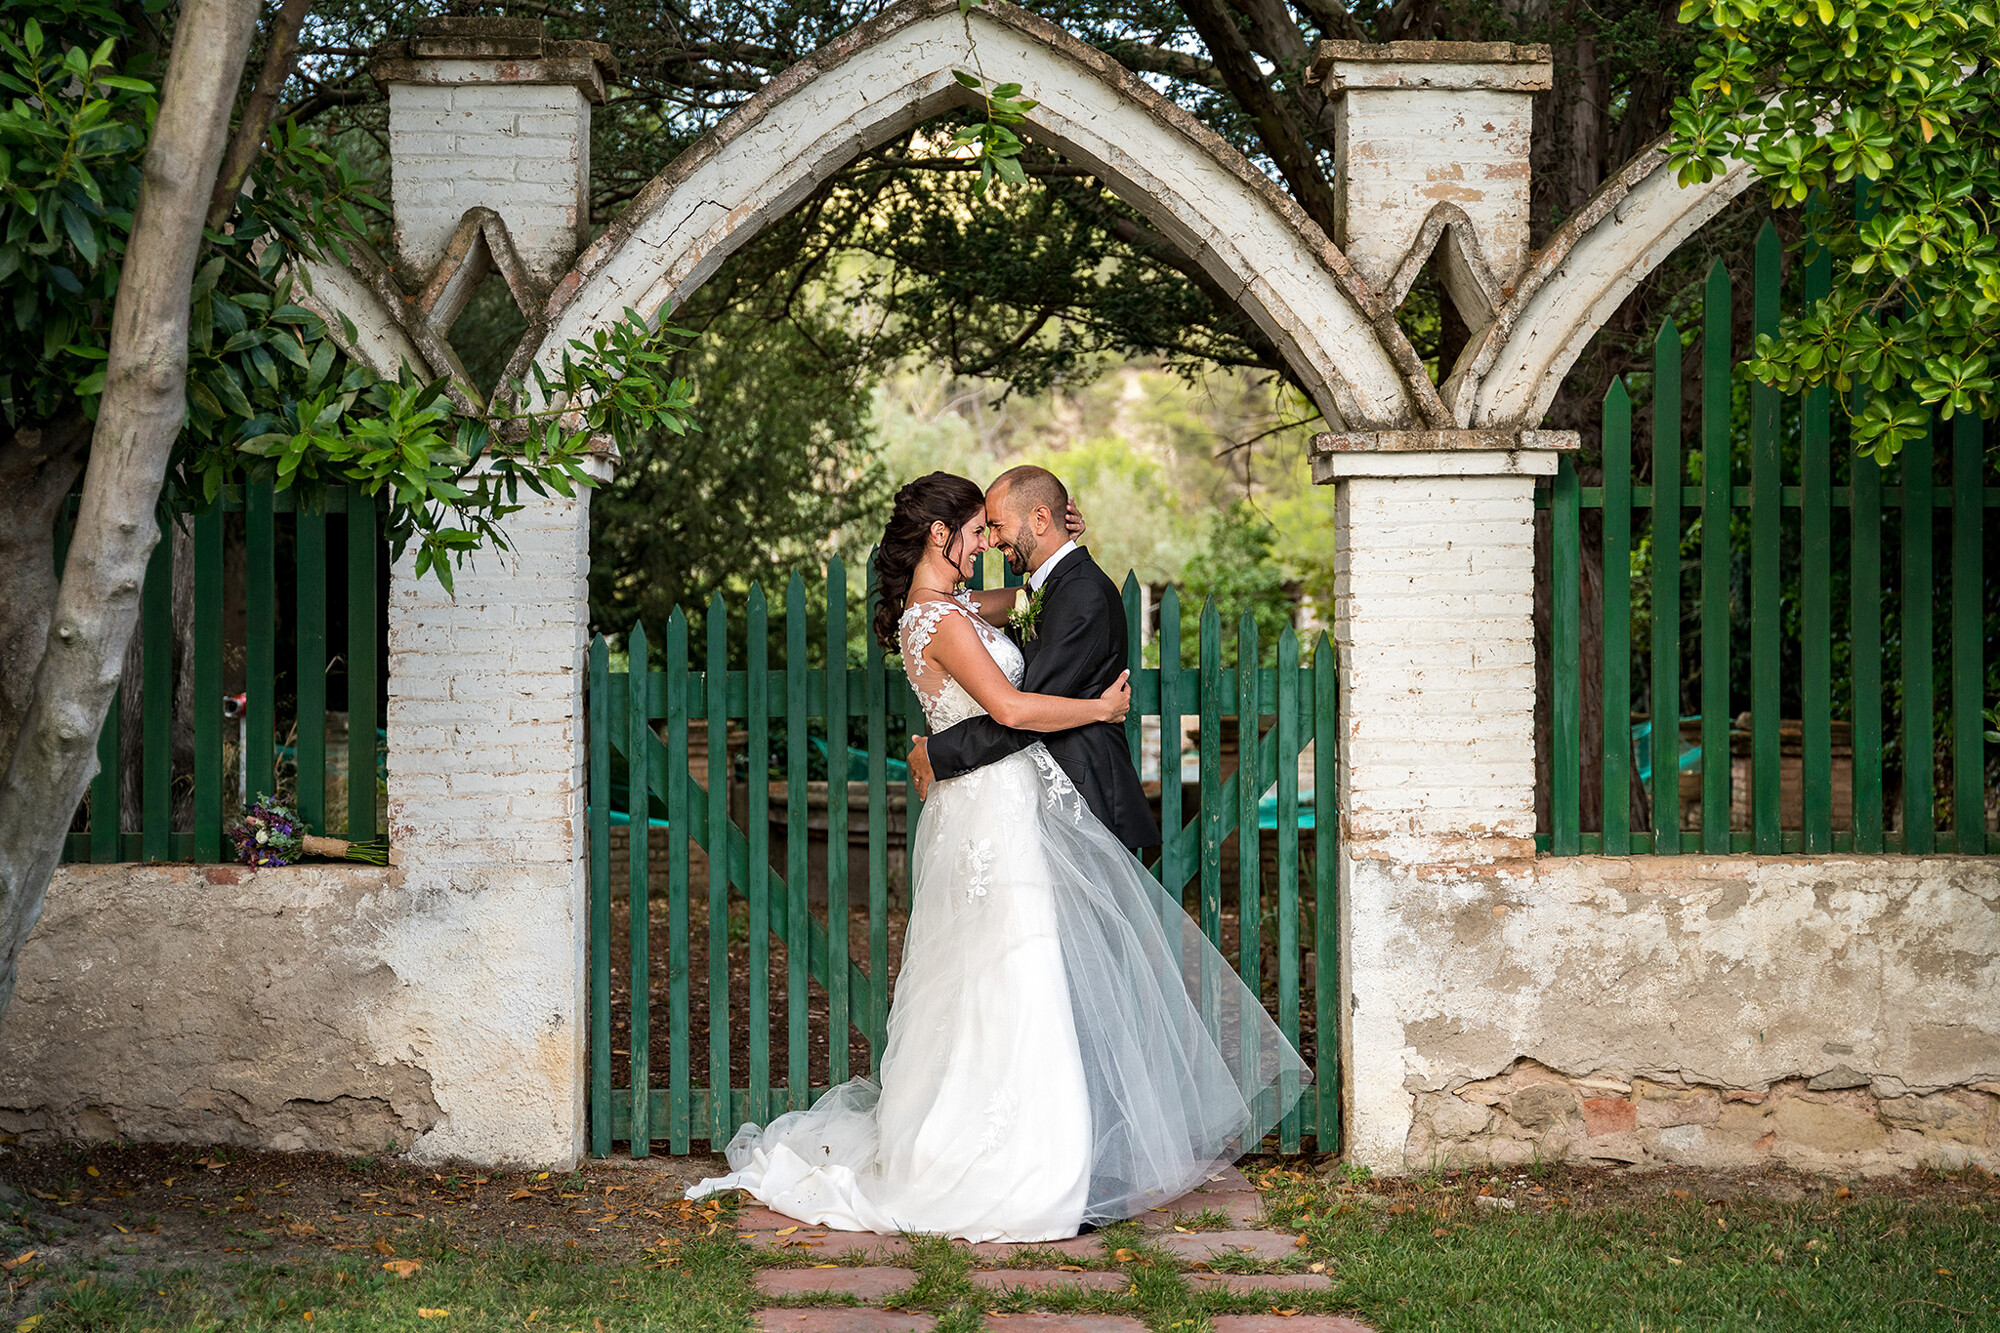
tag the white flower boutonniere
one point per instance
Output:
(1023, 619)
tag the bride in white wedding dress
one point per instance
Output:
(1064, 1045)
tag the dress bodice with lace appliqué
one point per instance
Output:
(945, 701)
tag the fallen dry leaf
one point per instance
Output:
(403, 1267)
(422, 1313)
(1124, 1256)
(518, 1195)
(383, 1246)
(1070, 1268)
(786, 1231)
(11, 1264)
(1286, 1314)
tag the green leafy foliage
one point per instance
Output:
(270, 395)
(1239, 572)
(1897, 104)
(996, 147)
(71, 138)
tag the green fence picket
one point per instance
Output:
(757, 833)
(260, 667)
(1326, 896)
(1565, 632)
(309, 641)
(721, 1123)
(1815, 596)
(599, 733)
(1865, 635)
(364, 627)
(1173, 871)
(208, 684)
(680, 813)
(638, 815)
(1286, 726)
(1210, 657)
(1615, 731)
(838, 998)
(798, 1085)
(1135, 661)
(156, 770)
(877, 741)
(1249, 895)
(1665, 626)
(106, 817)
(1716, 478)
(1766, 615)
(1968, 635)
(1918, 657)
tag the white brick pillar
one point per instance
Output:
(1434, 623)
(489, 113)
(486, 790)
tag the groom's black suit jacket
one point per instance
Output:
(1077, 650)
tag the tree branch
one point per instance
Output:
(255, 126)
(1283, 139)
(1150, 59)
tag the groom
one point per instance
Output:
(1074, 648)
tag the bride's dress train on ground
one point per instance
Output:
(1064, 1044)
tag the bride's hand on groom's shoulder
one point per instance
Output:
(1073, 521)
(1117, 700)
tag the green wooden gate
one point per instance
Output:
(833, 989)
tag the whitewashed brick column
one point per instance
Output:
(1434, 622)
(486, 789)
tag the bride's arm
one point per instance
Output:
(993, 603)
(955, 647)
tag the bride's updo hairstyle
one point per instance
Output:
(941, 497)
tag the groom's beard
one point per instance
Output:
(1021, 553)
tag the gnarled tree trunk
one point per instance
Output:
(54, 754)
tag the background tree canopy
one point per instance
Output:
(1038, 288)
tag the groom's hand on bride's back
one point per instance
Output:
(920, 767)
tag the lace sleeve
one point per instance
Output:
(920, 622)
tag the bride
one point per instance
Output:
(1065, 1047)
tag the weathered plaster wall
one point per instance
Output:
(218, 1004)
(438, 1005)
(1836, 1013)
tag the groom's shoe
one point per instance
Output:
(1086, 1228)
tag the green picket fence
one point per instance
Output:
(1898, 668)
(840, 965)
(111, 833)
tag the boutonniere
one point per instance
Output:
(1023, 619)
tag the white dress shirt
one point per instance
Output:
(1048, 567)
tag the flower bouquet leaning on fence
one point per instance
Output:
(270, 835)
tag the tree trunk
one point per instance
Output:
(138, 419)
(37, 468)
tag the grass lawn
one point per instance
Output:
(1562, 1250)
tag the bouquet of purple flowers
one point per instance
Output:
(267, 835)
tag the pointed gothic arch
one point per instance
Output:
(894, 72)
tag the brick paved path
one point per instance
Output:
(873, 1271)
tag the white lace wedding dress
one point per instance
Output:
(1064, 1044)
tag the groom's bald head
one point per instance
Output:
(1022, 490)
(1021, 500)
